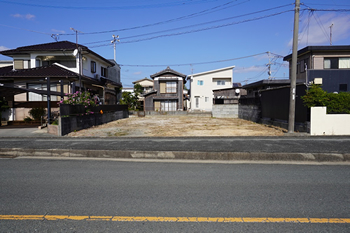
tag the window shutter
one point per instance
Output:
(18, 64)
(162, 87)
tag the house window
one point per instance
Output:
(220, 82)
(18, 64)
(343, 87)
(170, 87)
(344, 63)
(93, 67)
(206, 99)
(168, 105)
(200, 82)
(167, 87)
(330, 63)
(103, 72)
(303, 65)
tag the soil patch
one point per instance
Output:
(178, 126)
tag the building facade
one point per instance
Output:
(329, 65)
(203, 84)
(61, 67)
(167, 93)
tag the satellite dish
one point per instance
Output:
(75, 52)
(237, 91)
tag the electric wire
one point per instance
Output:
(196, 30)
(207, 11)
(197, 63)
(95, 8)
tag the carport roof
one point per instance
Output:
(43, 71)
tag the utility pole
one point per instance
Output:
(269, 66)
(293, 75)
(79, 55)
(115, 39)
(330, 34)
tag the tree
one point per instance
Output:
(315, 96)
(335, 103)
(132, 99)
(129, 99)
(138, 89)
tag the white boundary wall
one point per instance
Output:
(322, 123)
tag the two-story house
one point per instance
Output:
(68, 66)
(146, 83)
(203, 84)
(329, 65)
(167, 93)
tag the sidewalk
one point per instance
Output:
(24, 131)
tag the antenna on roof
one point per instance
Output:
(55, 37)
(330, 33)
(76, 35)
(115, 39)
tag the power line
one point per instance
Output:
(95, 8)
(26, 29)
(198, 30)
(207, 11)
(196, 63)
(171, 20)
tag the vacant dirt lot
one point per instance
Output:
(178, 126)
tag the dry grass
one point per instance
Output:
(178, 126)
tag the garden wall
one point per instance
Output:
(74, 117)
(328, 124)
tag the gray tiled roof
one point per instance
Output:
(43, 71)
(168, 71)
(54, 46)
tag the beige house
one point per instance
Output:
(146, 83)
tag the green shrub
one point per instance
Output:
(335, 103)
(37, 113)
(28, 119)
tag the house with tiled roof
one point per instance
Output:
(68, 66)
(167, 93)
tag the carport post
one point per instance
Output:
(48, 101)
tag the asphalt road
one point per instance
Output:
(202, 144)
(71, 189)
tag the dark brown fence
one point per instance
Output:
(75, 110)
(275, 104)
(77, 117)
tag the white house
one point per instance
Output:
(25, 79)
(203, 84)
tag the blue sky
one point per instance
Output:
(190, 36)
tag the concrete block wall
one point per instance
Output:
(225, 111)
(249, 112)
(72, 123)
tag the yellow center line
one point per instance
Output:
(174, 219)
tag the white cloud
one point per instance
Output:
(2, 48)
(58, 31)
(137, 73)
(316, 29)
(27, 16)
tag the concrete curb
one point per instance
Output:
(189, 155)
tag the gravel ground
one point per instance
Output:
(178, 126)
